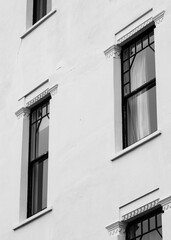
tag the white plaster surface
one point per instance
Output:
(85, 188)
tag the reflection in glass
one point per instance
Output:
(43, 136)
(132, 50)
(139, 230)
(151, 36)
(39, 187)
(145, 41)
(125, 54)
(141, 115)
(143, 68)
(152, 236)
(145, 226)
(159, 220)
(152, 223)
(138, 88)
(138, 46)
(38, 164)
(126, 89)
(126, 77)
(126, 65)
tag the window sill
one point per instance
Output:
(137, 144)
(38, 23)
(32, 218)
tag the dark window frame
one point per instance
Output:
(144, 87)
(39, 159)
(140, 220)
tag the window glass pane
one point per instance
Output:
(132, 50)
(48, 107)
(138, 46)
(125, 54)
(131, 60)
(33, 116)
(141, 116)
(44, 110)
(39, 9)
(126, 89)
(131, 233)
(39, 186)
(160, 231)
(33, 142)
(152, 223)
(126, 65)
(42, 6)
(151, 36)
(143, 68)
(152, 236)
(145, 41)
(152, 46)
(43, 136)
(150, 63)
(145, 226)
(159, 220)
(126, 77)
(39, 113)
(138, 229)
(44, 187)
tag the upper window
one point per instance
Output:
(145, 228)
(39, 9)
(38, 158)
(138, 88)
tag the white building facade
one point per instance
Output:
(85, 120)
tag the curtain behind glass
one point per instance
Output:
(138, 105)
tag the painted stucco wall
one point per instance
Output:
(85, 188)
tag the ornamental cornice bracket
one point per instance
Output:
(22, 112)
(140, 210)
(117, 228)
(166, 203)
(134, 31)
(37, 98)
(53, 90)
(113, 51)
(159, 17)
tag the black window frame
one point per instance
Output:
(140, 220)
(145, 87)
(38, 159)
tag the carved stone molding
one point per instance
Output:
(37, 98)
(156, 19)
(22, 112)
(140, 210)
(113, 51)
(116, 228)
(166, 203)
(53, 90)
(135, 30)
(159, 17)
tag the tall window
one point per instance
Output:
(38, 158)
(39, 9)
(146, 228)
(139, 88)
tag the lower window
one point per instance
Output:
(38, 158)
(148, 227)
